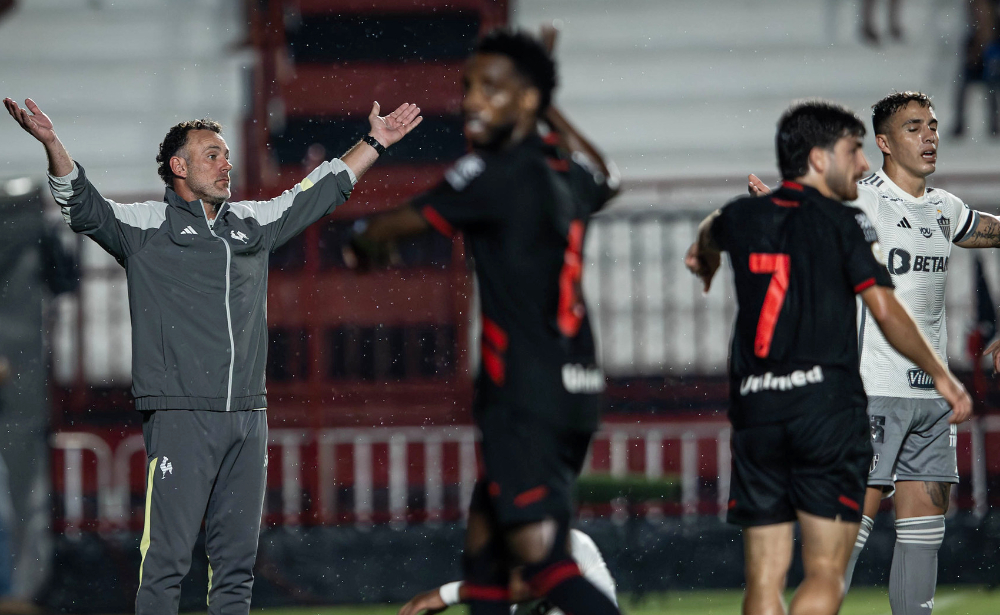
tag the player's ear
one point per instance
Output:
(530, 101)
(178, 166)
(883, 144)
(819, 159)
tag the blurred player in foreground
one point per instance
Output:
(581, 548)
(196, 266)
(800, 440)
(913, 430)
(523, 207)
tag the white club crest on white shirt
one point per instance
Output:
(945, 224)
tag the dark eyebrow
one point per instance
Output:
(915, 121)
(218, 147)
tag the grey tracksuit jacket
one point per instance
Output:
(198, 291)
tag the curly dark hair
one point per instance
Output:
(530, 59)
(884, 109)
(809, 124)
(176, 139)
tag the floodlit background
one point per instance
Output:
(369, 375)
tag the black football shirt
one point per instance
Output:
(798, 259)
(523, 212)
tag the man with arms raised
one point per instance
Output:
(913, 430)
(523, 208)
(800, 434)
(196, 266)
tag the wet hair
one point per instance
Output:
(809, 124)
(883, 110)
(530, 60)
(176, 139)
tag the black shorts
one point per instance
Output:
(530, 467)
(815, 463)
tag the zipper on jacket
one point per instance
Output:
(229, 316)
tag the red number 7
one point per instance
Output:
(779, 266)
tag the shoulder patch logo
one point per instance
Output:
(945, 224)
(239, 236)
(468, 168)
(866, 227)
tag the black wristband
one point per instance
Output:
(370, 140)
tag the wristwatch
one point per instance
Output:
(370, 140)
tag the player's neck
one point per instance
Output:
(183, 191)
(817, 181)
(521, 132)
(914, 185)
(516, 136)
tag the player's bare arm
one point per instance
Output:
(903, 333)
(429, 602)
(571, 138)
(438, 600)
(371, 244)
(994, 349)
(704, 257)
(986, 234)
(400, 222)
(39, 126)
(575, 142)
(386, 130)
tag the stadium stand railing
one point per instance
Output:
(402, 475)
(663, 342)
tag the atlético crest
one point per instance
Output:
(945, 224)
(874, 463)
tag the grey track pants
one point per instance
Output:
(210, 466)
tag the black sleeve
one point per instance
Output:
(590, 186)
(862, 253)
(718, 229)
(467, 198)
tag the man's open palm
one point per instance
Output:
(32, 120)
(389, 129)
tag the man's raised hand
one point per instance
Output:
(548, 34)
(38, 125)
(389, 129)
(32, 120)
(756, 187)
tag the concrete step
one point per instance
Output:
(690, 89)
(66, 31)
(651, 25)
(114, 76)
